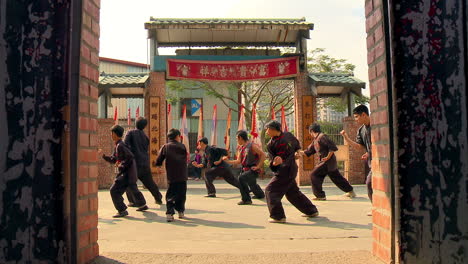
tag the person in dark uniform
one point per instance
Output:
(126, 177)
(215, 166)
(251, 158)
(327, 165)
(138, 143)
(282, 149)
(363, 141)
(175, 155)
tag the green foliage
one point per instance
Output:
(318, 61)
(339, 105)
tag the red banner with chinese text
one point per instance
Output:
(232, 70)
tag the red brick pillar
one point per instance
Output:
(356, 170)
(302, 108)
(382, 229)
(156, 124)
(88, 135)
(106, 173)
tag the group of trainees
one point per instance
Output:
(283, 150)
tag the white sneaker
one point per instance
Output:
(169, 218)
(181, 215)
(350, 194)
(311, 215)
(369, 213)
(272, 220)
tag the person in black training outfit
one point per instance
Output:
(282, 149)
(251, 157)
(363, 141)
(216, 166)
(175, 155)
(138, 143)
(326, 148)
(126, 177)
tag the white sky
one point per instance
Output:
(339, 25)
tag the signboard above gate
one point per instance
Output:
(232, 71)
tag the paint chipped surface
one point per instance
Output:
(32, 94)
(430, 80)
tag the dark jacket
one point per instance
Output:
(138, 143)
(175, 155)
(213, 154)
(285, 145)
(323, 145)
(123, 156)
(248, 157)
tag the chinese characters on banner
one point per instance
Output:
(233, 70)
(154, 129)
(308, 119)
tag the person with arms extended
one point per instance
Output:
(175, 155)
(126, 177)
(215, 166)
(138, 143)
(363, 141)
(282, 149)
(326, 148)
(251, 158)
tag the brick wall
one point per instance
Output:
(106, 172)
(88, 134)
(301, 88)
(356, 170)
(157, 87)
(376, 45)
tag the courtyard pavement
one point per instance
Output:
(217, 230)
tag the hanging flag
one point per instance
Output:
(137, 113)
(169, 117)
(273, 114)
(213, 127)
(254, 131)
(284, 126)
(116, 120)
(184, 129)
(241, 125)
(200, 124)
(227, 136)
(129, 116)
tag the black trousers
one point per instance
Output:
(247, 183)
(120, 185)
(318, 175)
(285, 185)
(226, 173)
(144, 175)
(369, 185)
(175, 197)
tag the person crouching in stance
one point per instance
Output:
(251, 158)
(175, 155)
(126, 176)
(282, 149)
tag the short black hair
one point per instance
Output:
(315, 128)
(204, 140)
(141, 123)
(117, 130)
(361, 109)
(173, 133)
(274, 125)
(243, 134)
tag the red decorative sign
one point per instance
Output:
(232, 70)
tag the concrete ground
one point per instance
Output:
(217, 230)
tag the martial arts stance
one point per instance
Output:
(138, 143)
(327, 165)
(251, 158)
(363, 141)
(175, 155)
(126, 177)
(215, 166)
(282, 150)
